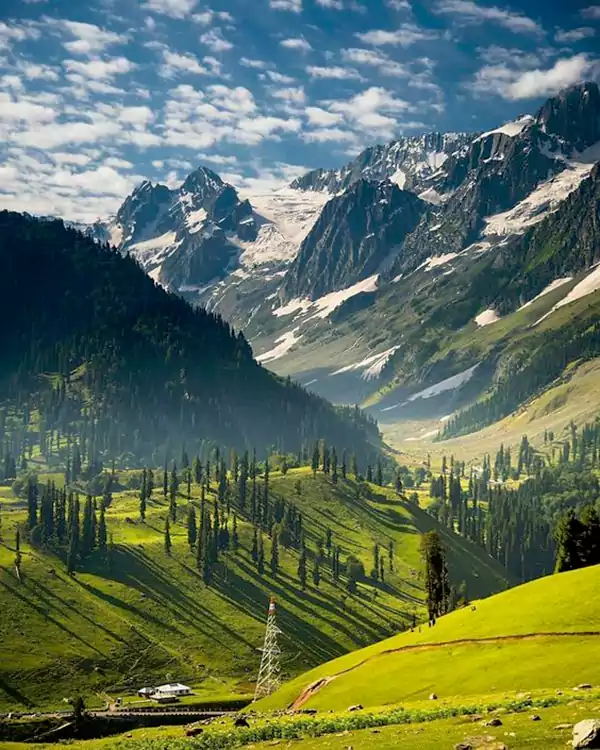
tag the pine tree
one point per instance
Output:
(167, 540)
(234, 536)
(301, 568)
(379, 473)
(260, 558)
(165, 481)
(191, 525)
(391, 556)
(197, 469)
(590, 538)
(437, 584)
(354, 466)
(316, 572)
(375, 569)
(173, 508)
(315, 460)
(343, 466)
(32, 504)
(143, 505)
(274, 553)
(87, 532)
(102, 535)
(369, 473)
(398, 482)
(254, 551)
(568, 539)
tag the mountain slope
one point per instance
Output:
(533, 636)
(149, 618)
(95, 345)
(353, 237)
(408, 162)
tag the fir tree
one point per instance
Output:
(234, 536)
(369, 473)
(301, 568)
(315, 460)
(379, 473)
(274, 553)
(191, 525)
(32, 503)
(316, 572)
(102, 535)
(254, 551)
(197, 469)
(354, 466)
(260, 558)
(167, 537)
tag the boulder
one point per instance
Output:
(584, 686)
(586, 734)
(309, 711)
(241, 721)
(535, 717)
(463, 746)
(357, 707)
(493, 723)
(433, 697)
(193, 731)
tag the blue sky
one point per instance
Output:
(95, 97)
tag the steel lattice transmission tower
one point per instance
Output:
(268, 674)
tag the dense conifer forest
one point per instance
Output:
(99, 359)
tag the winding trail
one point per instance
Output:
(318, 685)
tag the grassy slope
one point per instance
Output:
(152, 619)
(566, 603)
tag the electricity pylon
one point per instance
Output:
(268, 674)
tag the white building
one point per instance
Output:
(171, 690)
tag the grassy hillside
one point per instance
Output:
(539, 635)
(150, 618)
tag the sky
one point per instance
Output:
(96, 97)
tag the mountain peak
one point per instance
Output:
(202, 180)
(573, 115)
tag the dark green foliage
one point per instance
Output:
(191, 525)
(136, 369)
(274, 553)
(437, 582)
(578, 540)
(167, 538)
(302, 568)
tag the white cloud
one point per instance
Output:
(100, 69)
(60, 134)
(63, 157)
(471, 12)
(574, 35)
(173, 63)
(592, 11)
(89, 38)
(23, 110)
(116, 163)
(332, 4)
(35, 72)
(255, 64)
(403, 36)
(565, 72)
(371, 111)
(206, 17)
(376, 59)
(295, 6)
(172, 8)
(291, 95)
(328, 135)
(16, 33)
(215, 41)
(333, 71)
(277, 77)
(298, 43)
(515, 83)
(318, 116)
(398, 4)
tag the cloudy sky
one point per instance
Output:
(95, 97)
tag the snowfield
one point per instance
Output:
(546, 198)
(325, 305)
(449, 384)
(588, 285)
(487, 317)
(372, 365)
(284, 344)
(550, 288)
(154, 251)
(511, 129)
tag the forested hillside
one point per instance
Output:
(94, 353)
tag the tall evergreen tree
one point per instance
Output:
(191, 525)
(302, 568)
(274, 553)
(167, 537)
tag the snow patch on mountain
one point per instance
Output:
(550, 288)
(324, 306)
(449, 384)
(588, 285)
(512, 129)
(487, 317)
(284, 344)
(372, 365)
(399, 178)
(545, 199)
(432, 196)
(152, 252)
(438, 260)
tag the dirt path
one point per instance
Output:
(318, 685)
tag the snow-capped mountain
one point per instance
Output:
(364, 276)
(407, 162)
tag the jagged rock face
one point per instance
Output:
(352, 238)
(573, 115)
(408, 162)
(186, 237)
